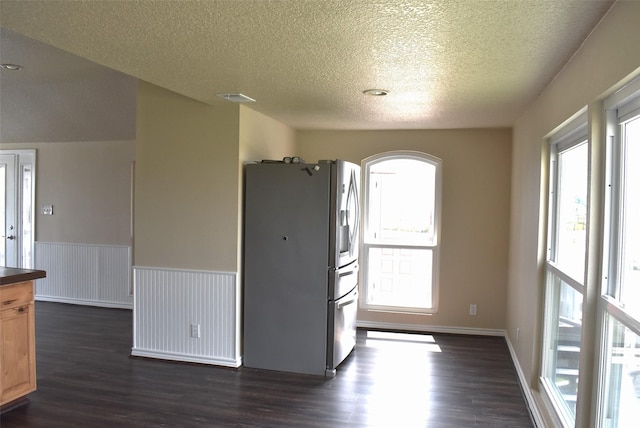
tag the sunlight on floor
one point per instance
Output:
(403, 378)
(384, 338)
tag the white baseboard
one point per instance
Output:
(97, 303)
(432, 328)
(199, 359)
(528, 395)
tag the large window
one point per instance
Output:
(619, 306)
(400, 239)
(565, 267)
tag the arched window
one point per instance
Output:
(401, 231)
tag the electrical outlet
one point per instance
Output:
(473, 309)
(517, 334)
(195, 331)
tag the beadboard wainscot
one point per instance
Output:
(187, 315)
(85, 274)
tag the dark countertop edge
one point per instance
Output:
(14, 275)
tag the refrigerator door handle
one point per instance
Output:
(352, 198)
(351, 301)
(351, 271)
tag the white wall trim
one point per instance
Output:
(168, 301)
(74, 244)
(198, 359)
(84, 274)
(432, 328)
(167, 269)
(528, 394)
(85, 302)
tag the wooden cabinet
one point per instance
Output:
(17, 336)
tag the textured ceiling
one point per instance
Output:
(447, 64)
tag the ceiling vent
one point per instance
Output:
(11, 67)
(237, 98)
(376, 92)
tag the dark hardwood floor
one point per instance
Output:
(87, 379)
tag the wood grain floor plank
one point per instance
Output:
(87, 379)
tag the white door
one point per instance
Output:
(17, 198)
(8, 213)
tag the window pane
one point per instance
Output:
(565, 328)
(630, 264)
(622, 397)
(401, 202)
(572, 211)
(399, 277)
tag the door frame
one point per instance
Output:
(24, 157)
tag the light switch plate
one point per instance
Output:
(46, 209)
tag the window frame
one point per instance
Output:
(366, 245)
(572, 135)
(620, 108)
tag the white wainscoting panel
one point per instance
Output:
(167, 302)
(85, 274)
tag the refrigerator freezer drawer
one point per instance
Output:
(343, 314)
(344, 280)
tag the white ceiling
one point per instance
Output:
(447, 64)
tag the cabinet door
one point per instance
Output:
(17, 356)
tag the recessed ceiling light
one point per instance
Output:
(375, 92)
(11, 67)
(237, 98)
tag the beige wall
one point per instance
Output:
(188, 187)
(188, 202)
(610, 56)
(264, 138)
(187, 182)
(89, 185)
(475, 214)
(260, 138)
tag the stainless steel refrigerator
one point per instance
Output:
(300, 265)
